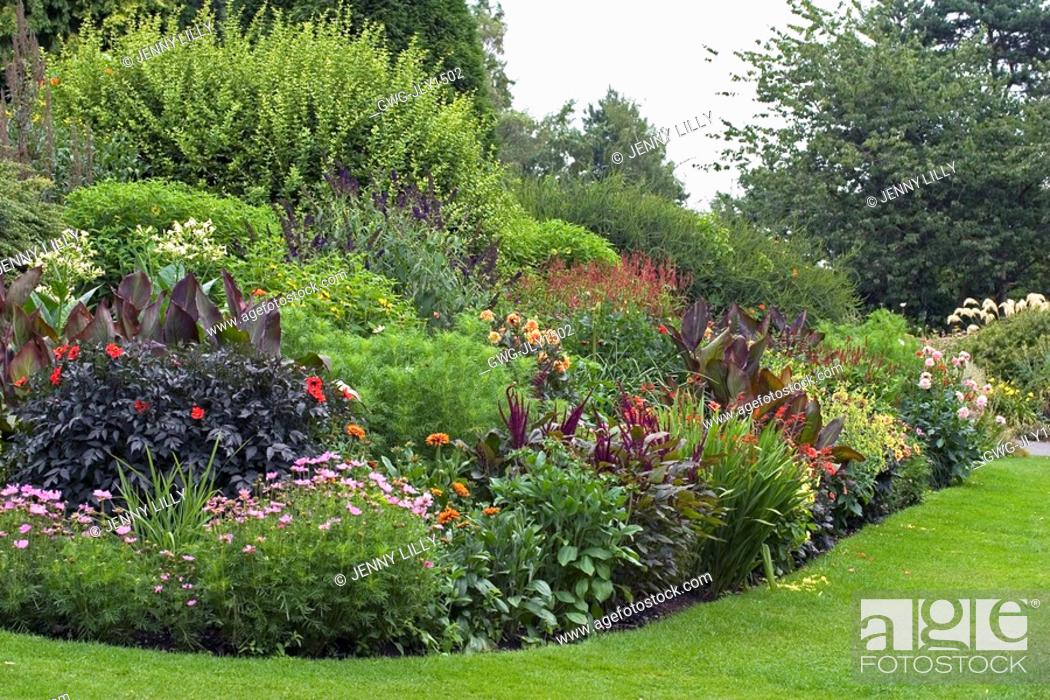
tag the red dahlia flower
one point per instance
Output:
(56, 376)
(114, 350)
(196, 413)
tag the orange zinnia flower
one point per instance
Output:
(355, 431)
(447, 515)
(114, 350)
(437, 439)
(490, 511)
(461, 489)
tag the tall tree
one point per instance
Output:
(859, 107)
(1014, 33)
(491, 30)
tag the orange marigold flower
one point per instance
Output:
(487, 316)
(437, 439)
(490, 511)
(447, 515)
(196, 413)
(461, 489)
(494, 337)
(114, 350)
(513, 319)
(355, 431)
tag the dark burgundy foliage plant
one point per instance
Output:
(104, 408)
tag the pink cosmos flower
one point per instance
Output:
(9, 491)
(959, 396)
(227, 538)
(21, 544)
(929, 362)
(131, 540)
(937, 355)
(924, 383)
(354, 510)
(428, 565)
(37, 509)
(158, 589)
(270, 476)
(3, 534)
(25, 528)
(283, 520)
(164, 577)
(963, 413)
(123, 530)
(101, 495)
(986, 388)
(982, 401)
(248, 549)
(187, 586)
(188, 557)
(956, 362)
(191, 602)
(998, 419)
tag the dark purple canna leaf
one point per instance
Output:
(135, 289)
(79, 319)
(23, 286)
(179, 326)
(829, 434)
(694, 323)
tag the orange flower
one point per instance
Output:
(490, 511)
(461, 489)
(447, 515)
(21, 381)
(513, 319)
(494, 337)
(531, 325)
(114, 350)
(437, 492)
(487, 316)
(55, 81)
(355, 431)
(437, 439)
(259, 292)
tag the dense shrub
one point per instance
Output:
(27, 218)
(216, 592)
(1016, 349)
(111, 211)
(411, 385)
(101, 406)
(876, 354)
(728, 260)
(529, 243)
(909, 483)
(275, 110)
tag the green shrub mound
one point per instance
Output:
(110, 211)
(27, 219)
(265, 115)
(529, 243)
(728, 260)
(411, 384)
(1017, 349)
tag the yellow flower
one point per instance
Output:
(494, 337)
(487, 316)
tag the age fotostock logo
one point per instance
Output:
(930, 638)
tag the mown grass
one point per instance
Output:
(991, 534)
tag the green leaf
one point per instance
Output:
(585, 565)
(566, 554)
(602, 589)
(581, 587)
(578, 618)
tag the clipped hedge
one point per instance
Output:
(1017, 349)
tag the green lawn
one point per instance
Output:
(991, 534)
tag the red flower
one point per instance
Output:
(663, 329)
(141, 406)
(60, 351)
(314, 387)
(56, 376)
(196, 413)
(113, 350)
(21, 381)
(74, 353)
(762, 306)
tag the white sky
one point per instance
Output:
(653, 53)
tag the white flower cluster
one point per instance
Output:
(71, 264)
(191, 243)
